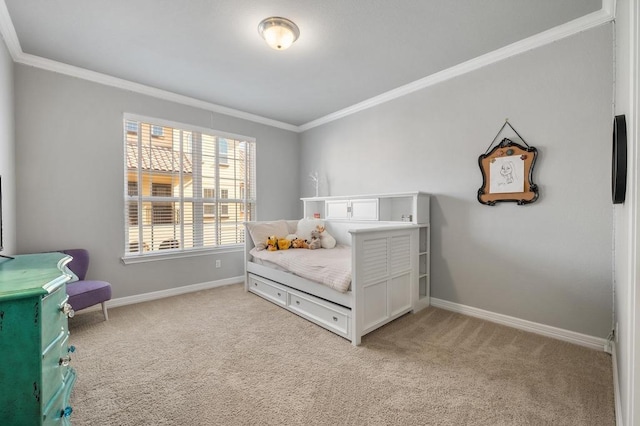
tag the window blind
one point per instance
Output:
(186, 188)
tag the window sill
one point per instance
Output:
(177, 254)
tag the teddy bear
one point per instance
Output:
(315, 242)
(299, 243)
(326, 240)
(283, 244)
(272, 243)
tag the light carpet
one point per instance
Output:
(226, 357)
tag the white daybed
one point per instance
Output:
(384, 280)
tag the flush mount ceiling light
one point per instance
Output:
(279, 33)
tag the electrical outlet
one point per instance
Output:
(218, 263)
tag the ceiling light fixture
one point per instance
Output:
(279, 33)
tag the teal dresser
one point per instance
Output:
(35, 376)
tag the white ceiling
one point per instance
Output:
(349, 51)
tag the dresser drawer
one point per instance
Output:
(55, 365)
(318, 312)
(53, 320)
(57, 410)
(273, 292)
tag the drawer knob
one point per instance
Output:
(71, 349)
(297, 302)
(66, 412)
(278, 294)
(67, 309)
(64, 361)
(256, 284)
(335, 318)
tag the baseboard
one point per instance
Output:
(545, 330)
(616, 386)
(161, 294)
(533, 327)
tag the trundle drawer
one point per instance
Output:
(320, 313)
(270, 291)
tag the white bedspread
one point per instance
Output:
(331, 267)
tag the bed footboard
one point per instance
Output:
(384, 276)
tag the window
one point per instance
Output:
(162, 212)
(132, 206)
(224, 207)
(131, 126)
(156, 131)
(223, 148)
(187, 188)
(209, 208)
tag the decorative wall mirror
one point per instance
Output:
(507, 172)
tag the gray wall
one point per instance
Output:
(549, 262)
(7, 151)
(70, 173)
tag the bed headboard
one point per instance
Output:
(338, 229)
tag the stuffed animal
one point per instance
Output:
(315, 242)
(326, 240)
(299, 243)
(283, 244)
(272, 243)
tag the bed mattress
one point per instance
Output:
(330, 267)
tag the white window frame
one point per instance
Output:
(142, 256)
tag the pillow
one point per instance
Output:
(326, 240)
(292, 225)
(260, 231)
(305, 226)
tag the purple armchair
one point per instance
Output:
(84, 293)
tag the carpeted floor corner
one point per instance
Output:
(226, 357)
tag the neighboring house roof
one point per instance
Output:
(159, 159)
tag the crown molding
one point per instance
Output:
(8, 32)
(107, 80)
(602, 16)
(578, 25)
